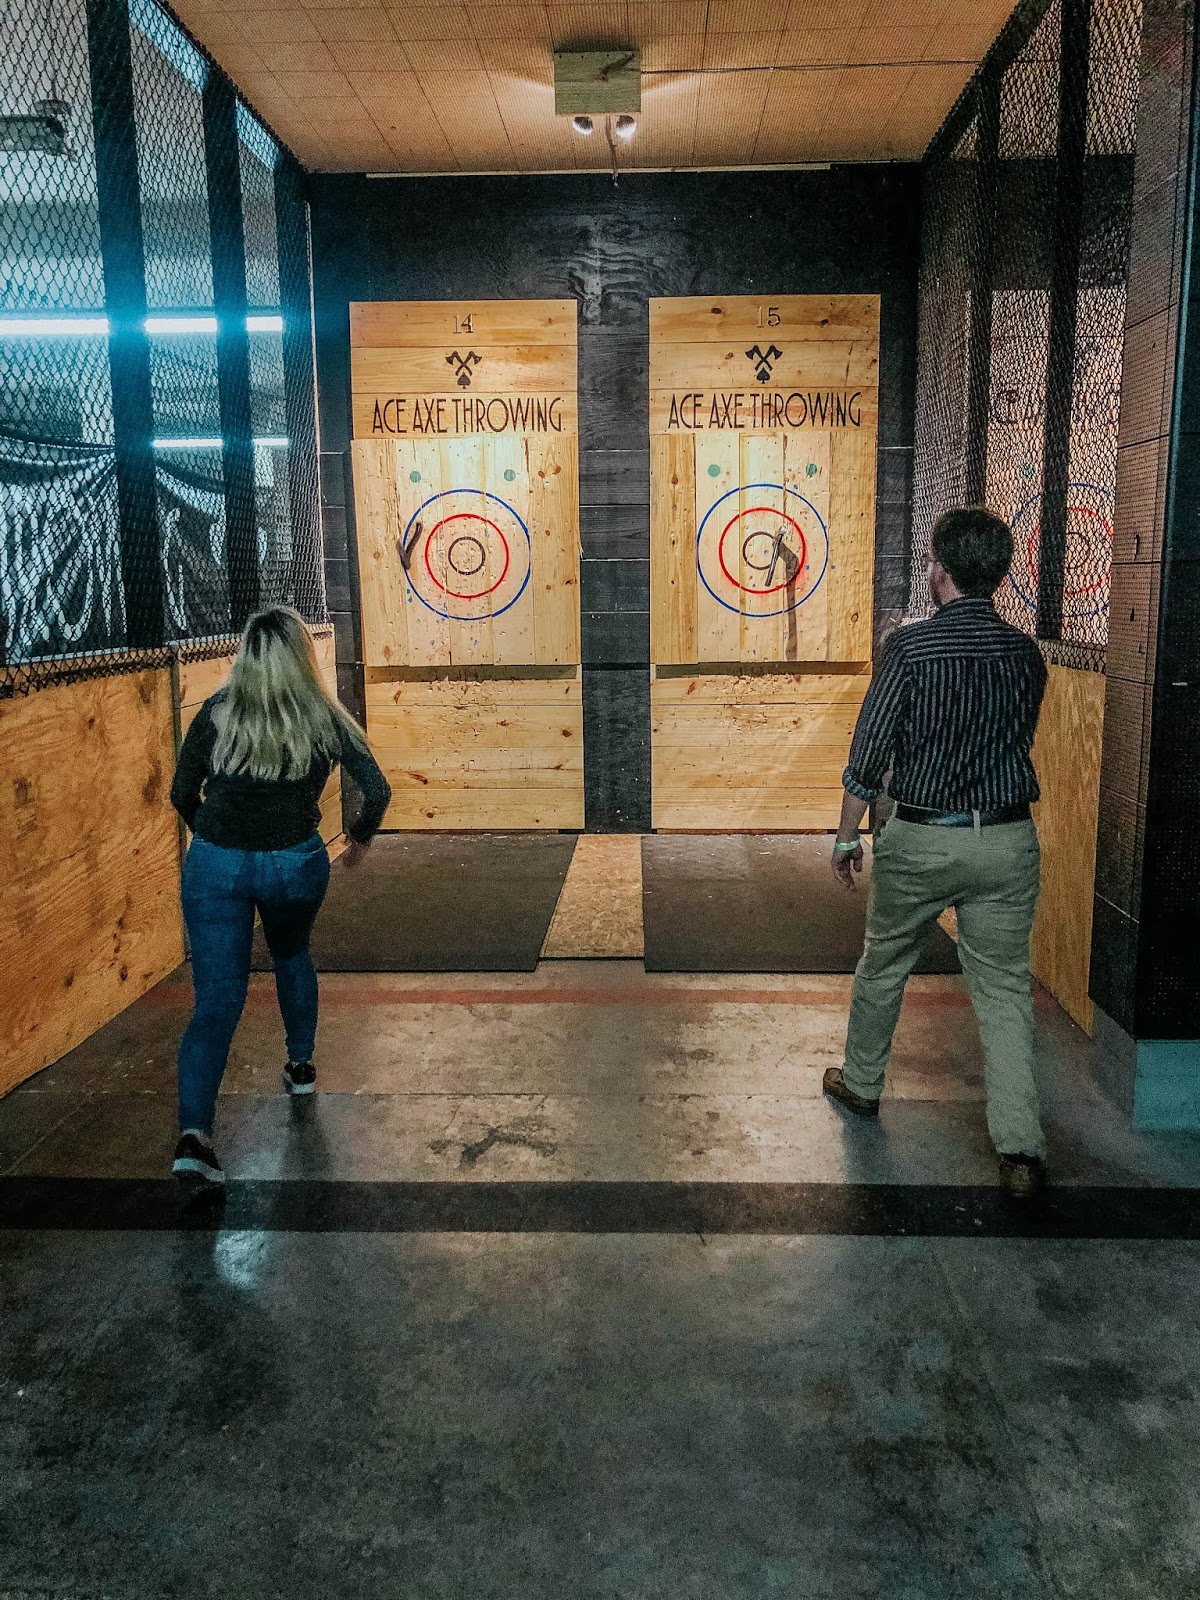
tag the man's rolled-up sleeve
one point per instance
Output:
(874, 746)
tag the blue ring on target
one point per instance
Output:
(761, 616)
(1101, 606)
(483, 494)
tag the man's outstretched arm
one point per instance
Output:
(847, 847)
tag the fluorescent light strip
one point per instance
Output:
(53, 327)
(97, 326)
(182, 324)
(270, 441)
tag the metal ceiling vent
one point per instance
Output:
(597, 83)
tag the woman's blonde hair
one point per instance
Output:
(276, 716)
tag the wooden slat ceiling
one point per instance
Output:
(467, 86)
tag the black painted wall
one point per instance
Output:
(848, 230)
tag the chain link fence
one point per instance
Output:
(158, 468)
(1025, 258)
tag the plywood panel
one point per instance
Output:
(760, 751)
(468, 519)
(510, 637)
(809, 811)
(199, 680)
(806, 366)
(766, 408)
(783, 530)
(391, 324)
(599, 912)
(1066, 755)
(851, 519)
(89, 918)
(377, 466)
(672, 567)
(510, 503)
(498, 369)
(717, 629)
(484, 810)
(331, 796)
(488, 753)
(688, 319)
(417, 415)
(762, 410)
(475, 688)
(845, 689)
(553, 478)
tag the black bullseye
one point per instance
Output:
(467, 556)
(758, 550)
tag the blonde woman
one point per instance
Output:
(248, 785)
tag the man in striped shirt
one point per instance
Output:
(951, 716)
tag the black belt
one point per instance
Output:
(961, 819)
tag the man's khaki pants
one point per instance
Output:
(991, 877)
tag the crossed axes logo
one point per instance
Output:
(463, 365)
(764, 360)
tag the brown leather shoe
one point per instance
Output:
(1024, 1177)
(834, 1085)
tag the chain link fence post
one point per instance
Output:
(228, 244)
(122, 248)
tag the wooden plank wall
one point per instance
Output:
(1066, 755)
(762, 751)
(89, 916)
(480, 751)
(466, 440)
(763, 416)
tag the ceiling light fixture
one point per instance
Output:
(583, 124)
(626, 126)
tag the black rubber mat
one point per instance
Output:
(757, 903)
(440, 902)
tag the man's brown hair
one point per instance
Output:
(976, 548)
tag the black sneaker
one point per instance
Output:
(195, 1159)
(1024, 1177)
(300, 1077)
(836, 1087)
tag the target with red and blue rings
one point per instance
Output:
(762, 559)
(467, 555)
(1087, 564)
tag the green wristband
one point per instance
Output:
(842, 845)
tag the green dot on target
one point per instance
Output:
(414, 477)
(714, 471)
(509, 474)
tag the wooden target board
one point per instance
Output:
(763, 419)
(467, 507)
(466, 482)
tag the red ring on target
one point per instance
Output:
(1033, 550)
(766, 511)
(467, 516)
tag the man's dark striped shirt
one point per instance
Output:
(951, 713)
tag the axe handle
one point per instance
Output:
(406, 550)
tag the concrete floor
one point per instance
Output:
(670, 1415)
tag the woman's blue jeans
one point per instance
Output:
(222, 889)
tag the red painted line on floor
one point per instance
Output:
(335, 995)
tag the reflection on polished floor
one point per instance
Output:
(379, 1402)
